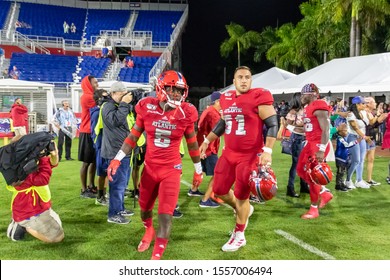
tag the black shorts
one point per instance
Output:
(208, 164)
(86, 150)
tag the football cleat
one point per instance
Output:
(148, 237)
(166, 82)
(263, 184)
(325, 198)
(311, 214)
(236, 241)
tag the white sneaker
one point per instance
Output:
(362, 184)
(350, 185)
(236, 241)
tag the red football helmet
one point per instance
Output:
(171, 79)
(320, 173)
(262, 182)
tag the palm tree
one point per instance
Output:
(284, 53)
(239, 37)
(367, 13)
(268, 38)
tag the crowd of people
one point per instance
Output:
(122, 129)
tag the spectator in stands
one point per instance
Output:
(130, 63)
(65, 119)
(73, 28)
(66, 27)
(86, 151)
(31, 204)
(14, 73)
(105, 52)
(19, 116)
(130, 52)
(1, 56)
(124, 63)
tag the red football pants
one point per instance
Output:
(309, 151)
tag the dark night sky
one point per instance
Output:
(202, 64)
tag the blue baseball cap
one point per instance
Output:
(358, 100)
(215, 96)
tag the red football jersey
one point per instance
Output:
(208, 119)
(244, 128)
(312, 126)
(164, 130)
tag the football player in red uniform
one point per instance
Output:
(244, 113)
(316, 125)
(165, 119)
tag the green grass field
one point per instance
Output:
(353, 226)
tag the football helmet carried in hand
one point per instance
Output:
(320, 173)
(171, 79)
(262, 182)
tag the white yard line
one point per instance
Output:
(304, 245)
(184, 182)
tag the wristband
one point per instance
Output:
(120, 155)
(322, 147)
(267, 150)
(290, 127)
(207, 141)
(198, 168)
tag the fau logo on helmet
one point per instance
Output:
(171, 79)
(263, 184)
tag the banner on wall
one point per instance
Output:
(5, 125)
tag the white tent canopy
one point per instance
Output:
(365, 74)
(267, 78)
(76, 91)
(41, 103)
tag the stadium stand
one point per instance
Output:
(46, 68)
(113, 20)
(140, 72)
(48, 20)
(93, 66)
(71, 56)
(4, 8)
(159, 22)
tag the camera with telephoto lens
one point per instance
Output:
(138, 94)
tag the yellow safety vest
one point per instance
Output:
(130, 122)
(42, 191)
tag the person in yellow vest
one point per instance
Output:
(31, 204)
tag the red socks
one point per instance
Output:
(239, 227)
(159, 248)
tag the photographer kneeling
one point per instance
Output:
(31, 202)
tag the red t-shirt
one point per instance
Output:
(207, 121)
(244, 128)
(19, 115)
(164, 130)
(312, 127)
(26, 205)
